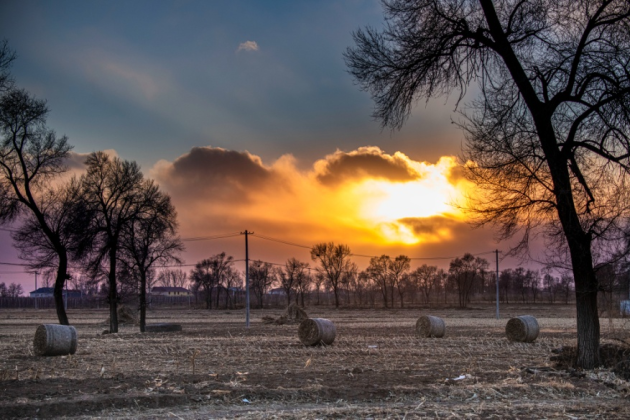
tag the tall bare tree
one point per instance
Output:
(210, 272)
(261, 277)
(291, 275)
(112, 189)
(31, 157)
(547, 138)
(398, 268)
(378, 272)
(334, 260)
(465, 272)
(150, 238)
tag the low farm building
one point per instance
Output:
(45, 292)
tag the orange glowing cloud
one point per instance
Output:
(367, 195)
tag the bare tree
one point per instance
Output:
(334, 260)
(150, 238)
(291, 275)
(6, 58)
(547, 139)
(173, 278)
(378, 271)
(303, 286)
(425, 278)
(231, 278)
(210, 272)
(465, 271)
(31, 156)
(14, 290)
(112, 189)
(398, 269)
(261, 277)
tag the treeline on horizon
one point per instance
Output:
(385, 283)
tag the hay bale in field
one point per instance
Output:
(55, 340)
(314, 331)
(162, 327)
(430, 326)
(523, 329)
(126, 315)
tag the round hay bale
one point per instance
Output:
(314, 331)
(523, 329)
(162, 327)
(55, 340)
(430, 326)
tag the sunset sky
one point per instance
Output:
(245, 114)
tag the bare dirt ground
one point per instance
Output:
(376, 368)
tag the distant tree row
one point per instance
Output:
(13, 290)
(387, 282)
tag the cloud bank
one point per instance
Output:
(372, 200)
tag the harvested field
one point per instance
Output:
(376, 368)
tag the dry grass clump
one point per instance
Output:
(126, 315)
(523, 329)
(316, 331)
(55, 340)
(430, 326)
(292, 315)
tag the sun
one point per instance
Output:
(386, 204)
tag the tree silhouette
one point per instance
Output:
(150, 238)
(547, 137)
(31, 157)
(334, 260)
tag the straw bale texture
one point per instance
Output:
(316, 331)
(55, 340)
(430, 326)
(523, 329)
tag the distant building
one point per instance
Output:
(170, 291)
(278, 291)
(45, 292)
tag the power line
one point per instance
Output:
(282, 241)
(208, 238)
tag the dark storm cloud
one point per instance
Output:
(430, 225)
(215, 172)
(366, 162)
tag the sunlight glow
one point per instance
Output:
(385, 203)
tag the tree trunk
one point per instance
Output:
(113, 293)
(59, 284)
(143, 300)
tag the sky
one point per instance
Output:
(245, 114)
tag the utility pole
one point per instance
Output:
(246, 277)
(497, 252)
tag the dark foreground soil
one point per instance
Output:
(376, 368)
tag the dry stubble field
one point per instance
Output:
(376, 368)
